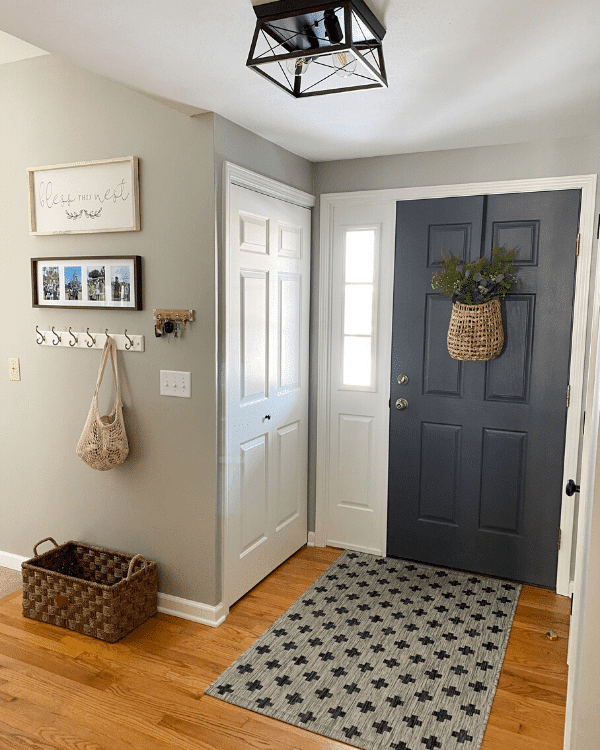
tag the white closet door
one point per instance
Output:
(267, 404)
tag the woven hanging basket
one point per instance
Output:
(475, 331)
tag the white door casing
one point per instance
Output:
(265, 393)
(361, 206)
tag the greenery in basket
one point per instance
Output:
(474, 283)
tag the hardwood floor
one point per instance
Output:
(63, 691)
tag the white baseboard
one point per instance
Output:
(167, 604)
(13, 562)
(314, 540)
(355, 547)
(206, 614)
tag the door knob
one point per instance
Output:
(401, 403)
(571, 488)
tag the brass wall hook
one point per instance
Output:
(41, 335)
(75, 339)
(58, 338)
(93, 340)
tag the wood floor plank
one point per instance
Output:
(64, 691)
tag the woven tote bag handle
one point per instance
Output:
(109, 347)
(47, 539)
(133, 562)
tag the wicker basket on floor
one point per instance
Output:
(475, 331)
(90, 590)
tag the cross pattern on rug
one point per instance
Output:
(382, 653)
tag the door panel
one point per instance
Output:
(254, 333)
(476, 459)
(290, 317)
(267, 410)
(253, 492)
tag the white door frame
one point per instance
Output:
(581, 326)
(235, 175)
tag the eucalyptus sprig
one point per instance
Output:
(477, 282)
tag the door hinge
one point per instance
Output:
(559, 538)
(568, 395)
(578, 243)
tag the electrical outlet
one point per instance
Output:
(14, 370)
(175, 383)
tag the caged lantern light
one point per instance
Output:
(308, 48)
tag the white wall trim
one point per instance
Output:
(311, 540)
(10, 561)
(587, 185)
(259, 183)
(324, 368)
(206, 614)
(462, 189)
(577, 703)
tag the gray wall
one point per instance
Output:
(245, 149)
(162, 501)
(566, 156)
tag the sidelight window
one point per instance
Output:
(358, 307)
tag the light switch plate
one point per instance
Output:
(175, 383)
(14, 370)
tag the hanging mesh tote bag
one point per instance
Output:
(103, 442)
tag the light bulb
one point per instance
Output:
(297, 65)
(344, 62)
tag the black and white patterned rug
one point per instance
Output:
(382, 653)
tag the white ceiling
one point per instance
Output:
(461, 72)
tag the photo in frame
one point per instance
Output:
(87, 282)
(85, 197)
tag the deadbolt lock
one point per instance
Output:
(401, 403)
(402, 379)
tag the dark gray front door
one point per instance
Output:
(476, 459)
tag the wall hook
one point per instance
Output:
(58, 338)
(41, 335)
(75, 339)
(93, 340)
(130, 344)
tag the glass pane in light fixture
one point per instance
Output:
(360, 256)
(344, 63)
(297, 66)
(357, 361)
(358, 309)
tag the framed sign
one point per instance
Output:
(87, 282)
(93, 196)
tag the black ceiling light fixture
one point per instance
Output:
(308, 48)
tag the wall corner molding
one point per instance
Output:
(205, 614)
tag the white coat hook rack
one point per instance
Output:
(88, 339)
